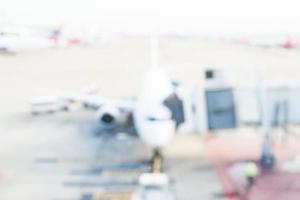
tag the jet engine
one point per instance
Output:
(110, 115)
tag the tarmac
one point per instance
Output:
(65, 155)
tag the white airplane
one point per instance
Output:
(156, 113)
(15, 40)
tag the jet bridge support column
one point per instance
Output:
(267, 159)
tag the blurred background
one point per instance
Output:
(234, 64)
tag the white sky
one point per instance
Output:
(184, 15)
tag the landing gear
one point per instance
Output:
(155, 184)
(157, 160)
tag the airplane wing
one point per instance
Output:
(65, 101)
(95, 102)
(69, 102)
(47, 104)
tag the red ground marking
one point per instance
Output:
(276, 185)
(228, 188)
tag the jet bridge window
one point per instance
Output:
(220, 109)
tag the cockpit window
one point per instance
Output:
(175, 105)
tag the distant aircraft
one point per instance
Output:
(286, 42)
(15, 40)
(55, 35)
(289, 43)
(59, 38)
(67, 36)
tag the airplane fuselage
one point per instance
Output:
(152, 118)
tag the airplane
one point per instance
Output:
(289, 43)
(59, 38)
(156, 113)
(17, 39)
(286, 42)
(69, 36)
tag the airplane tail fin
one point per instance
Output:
(55, 35)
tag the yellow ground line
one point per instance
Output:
(112, 196)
